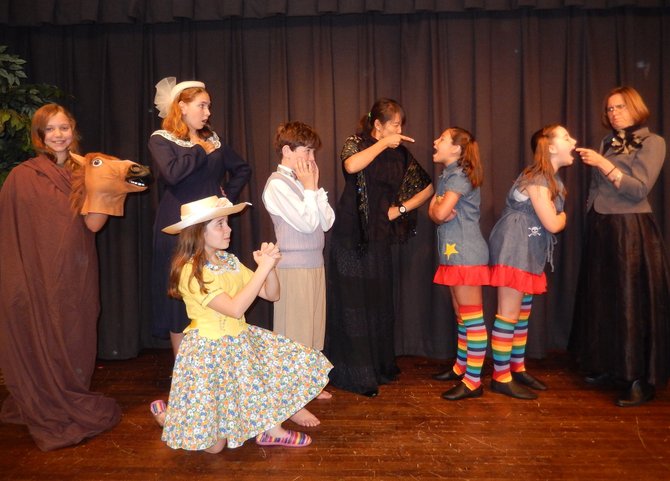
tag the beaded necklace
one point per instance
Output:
(227, 263)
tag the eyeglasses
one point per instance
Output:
(617, 107)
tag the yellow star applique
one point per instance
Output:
(450, 249)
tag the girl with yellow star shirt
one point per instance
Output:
(463, 254)
(521, 243)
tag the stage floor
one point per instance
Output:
(406, 433)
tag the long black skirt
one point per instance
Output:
(622, 309)
(360, 317)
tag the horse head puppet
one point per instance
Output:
(101, 182)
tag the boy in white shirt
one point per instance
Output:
(301, 214)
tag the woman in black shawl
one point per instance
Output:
(384, 186)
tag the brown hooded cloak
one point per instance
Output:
(49, 305)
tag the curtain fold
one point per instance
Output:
(501, 75)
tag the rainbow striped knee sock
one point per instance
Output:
(475, 331)
(462, 350)
(501, 346)
(517, 361)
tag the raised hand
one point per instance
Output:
(590, 157)
(307, 173)
(267, 256)
(394, 140)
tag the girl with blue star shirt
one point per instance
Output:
(463, 254)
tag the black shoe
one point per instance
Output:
(512, 389)
(371, 393)
(638, 393)
(448, 375)
(527, 380)
(598, 379)
(461, 391)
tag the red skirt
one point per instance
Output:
(506, 276)
(462, 275)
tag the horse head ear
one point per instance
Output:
(78, 159)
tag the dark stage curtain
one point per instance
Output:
(501, 74)
(74, 12)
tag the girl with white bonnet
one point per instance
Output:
(231, 381)
(192, 163)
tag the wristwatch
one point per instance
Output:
(402, 209)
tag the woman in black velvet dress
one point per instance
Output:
(622, 313)
(370, 216)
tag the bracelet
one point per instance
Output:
(613, 169)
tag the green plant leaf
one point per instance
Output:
(18, 103)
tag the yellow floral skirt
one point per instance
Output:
(235, 388)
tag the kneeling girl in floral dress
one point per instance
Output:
(231, 381)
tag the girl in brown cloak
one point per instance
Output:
(49, 298)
